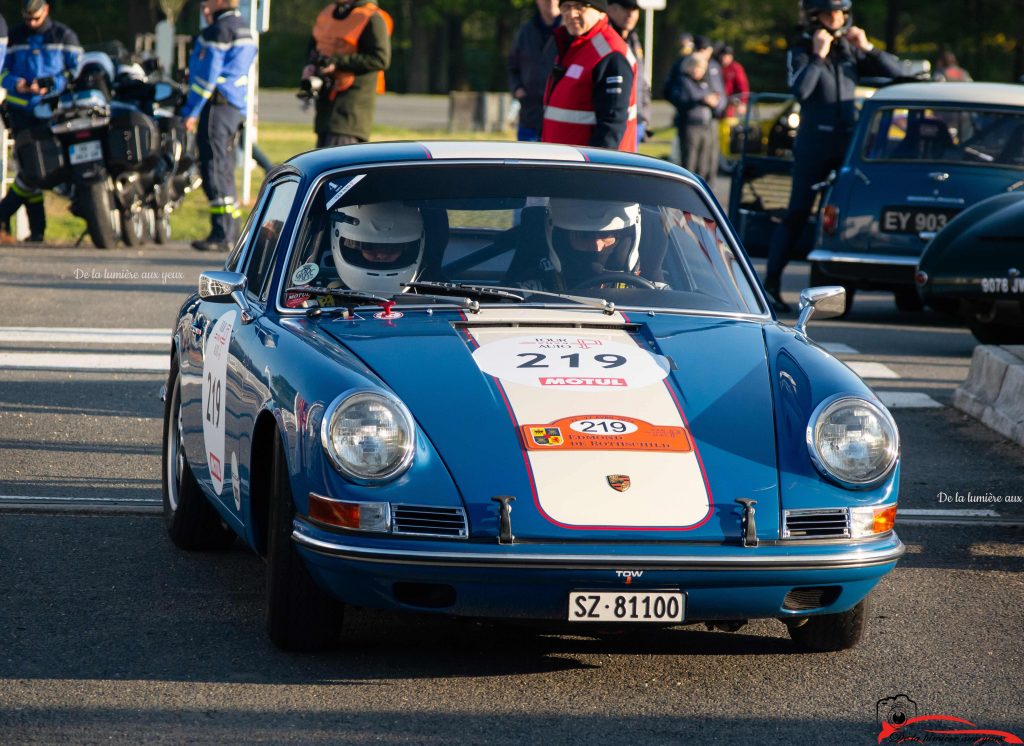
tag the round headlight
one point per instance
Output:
(853, 441)
(369, 436)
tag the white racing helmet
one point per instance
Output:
(574, 223)
(377, 247)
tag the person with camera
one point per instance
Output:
(348, 54)
(215, 109)
(824, 63)
(591, 94)
(42, 57)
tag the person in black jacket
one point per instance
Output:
(529, 64)
(824, 65)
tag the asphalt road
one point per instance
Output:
(110, 634)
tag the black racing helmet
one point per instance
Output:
(811, 8)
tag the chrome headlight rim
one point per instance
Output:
(400, 466)
(838, 401)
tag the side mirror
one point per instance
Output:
(226, 287)
(826, 302)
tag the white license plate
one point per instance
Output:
(626, 606)
(87, 152)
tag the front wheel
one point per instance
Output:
(137, 231)
(907, 299)
(830, 632)
(300, 615)
(102, 218)
(192, 522)
(995, 333)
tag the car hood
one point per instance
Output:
(601, 426)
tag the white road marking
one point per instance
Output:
(83, 361)
(47, 334)
(871, 370)
(951, 512)
(838, 348)
(907, 400)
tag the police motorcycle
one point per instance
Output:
(119, 164)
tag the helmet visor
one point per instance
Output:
(376, 255)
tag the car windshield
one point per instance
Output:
(986, 138)
(630, 238)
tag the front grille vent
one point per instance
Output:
(816, 524)
(805, 599)
(424, 520)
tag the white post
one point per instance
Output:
(649, 6)
(249, 138)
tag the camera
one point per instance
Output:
(311, 87)
(895, 710)
(48, 83)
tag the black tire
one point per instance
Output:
(301, 616)
(101, 217)
(192, 522)
(161, 225)
(907, 299)
(831, 632)
(135, 228)
(993, 333)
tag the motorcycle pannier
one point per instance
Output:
(133, 142)
(41, 162)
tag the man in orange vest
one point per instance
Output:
(591, 94)
(349, 52)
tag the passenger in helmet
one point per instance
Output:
(378, 247)
(591, 238)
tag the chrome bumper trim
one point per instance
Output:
(820, 255)
(744, 559)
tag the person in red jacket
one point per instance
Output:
(737, 87)
(591, 94)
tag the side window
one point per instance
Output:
(265, 235)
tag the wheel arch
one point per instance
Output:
(260, 471)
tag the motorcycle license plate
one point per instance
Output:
(626, 606)
(87, 152)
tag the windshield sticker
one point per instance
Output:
(305, 274)
(570, 363)
(215, 366)
(338, 189)
(605, 433)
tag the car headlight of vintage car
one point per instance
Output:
(853, 441)
(369, 436)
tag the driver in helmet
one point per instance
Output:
(377, 247)
(593, 241)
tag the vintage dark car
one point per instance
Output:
(521, 381)
(975, 267)
(921, 154)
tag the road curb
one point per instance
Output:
(994, 390)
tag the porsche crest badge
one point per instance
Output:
(619, 482)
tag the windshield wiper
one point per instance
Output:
(485, 292)
(351, 299)
(481, 292)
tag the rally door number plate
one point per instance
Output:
(86, 152)
(626, 606)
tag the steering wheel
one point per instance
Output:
(624, 278)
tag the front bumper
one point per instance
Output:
(533, 581)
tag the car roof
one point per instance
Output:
(1000, 94)
(325, 159)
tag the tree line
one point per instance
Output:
(443, 45)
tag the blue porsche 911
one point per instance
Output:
(523, 382)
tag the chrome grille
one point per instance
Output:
(816, 524)
(425, 520)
